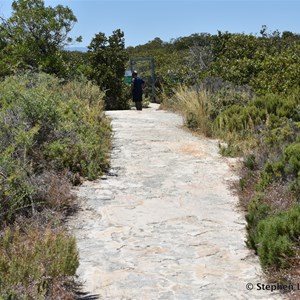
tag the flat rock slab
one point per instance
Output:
(163, 223)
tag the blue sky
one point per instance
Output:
(142, 21)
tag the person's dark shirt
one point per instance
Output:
(137, 89)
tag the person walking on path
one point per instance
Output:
(137, 90)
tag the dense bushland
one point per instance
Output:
(51, 135)
(47, 126)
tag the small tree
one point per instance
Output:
(108, 58)
(34, 36)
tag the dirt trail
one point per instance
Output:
(163, 223)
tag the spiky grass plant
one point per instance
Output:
(195, 107)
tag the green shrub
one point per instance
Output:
(274, 250)
(257, 211)
(226, 97)
(239, 119)
(231, 148)
(50, 132)
(279, 105)
(16, 190)
(292, 158)
(277, 238)
(264, 180)
(278, 153)
(271, 119)
(47, 125)
(249, 162)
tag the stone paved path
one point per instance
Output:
(163, 224)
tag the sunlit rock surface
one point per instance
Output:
(163, 224)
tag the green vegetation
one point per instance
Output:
(274, 236)
(46, 126)
(108, 58)
(34, 36)
(53, 134)
(242, 89)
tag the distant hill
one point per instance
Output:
(81, 49)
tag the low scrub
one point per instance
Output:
(46, 125)
(262, 123)
(52, 134)
(274, 236)
(36, 262)
(269, 184)
(201, 105)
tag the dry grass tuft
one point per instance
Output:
(195, 107)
